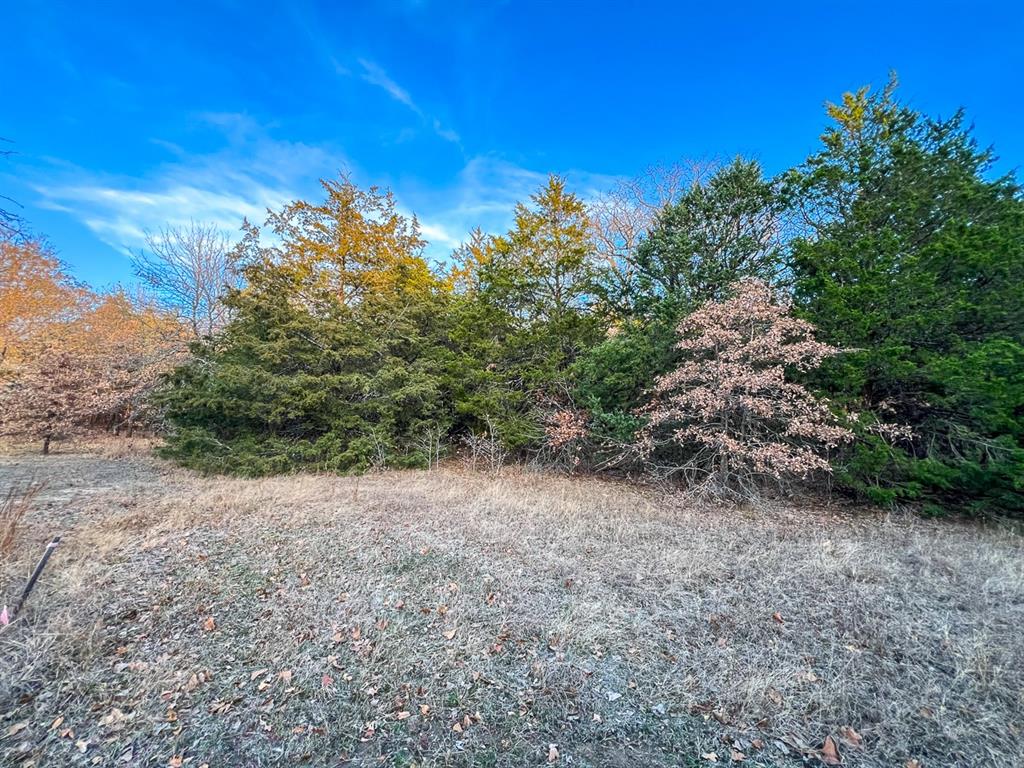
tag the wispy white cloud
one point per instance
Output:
(375, 74)
(252, 173)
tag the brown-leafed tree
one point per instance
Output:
(73, 360)
(728, 417)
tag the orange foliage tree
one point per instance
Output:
(73, 360)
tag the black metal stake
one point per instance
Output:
(35, 575)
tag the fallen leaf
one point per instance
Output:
(210, 624)
(850, 736)
(285, 675)
(737, 756)
(403, 715)
(711, 757)
(552, 753)
(176, 762)
(913, 763)
(114, 720)
(400, 605)
(326, 681)
(17, 728)
(830, 752)
(424, 709)
(457, 728)
(82, 745)
(258, 673)
(450, 634)
(56, 723)
(778, 617)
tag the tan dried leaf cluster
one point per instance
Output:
(728, 410)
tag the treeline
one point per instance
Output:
(858, 317)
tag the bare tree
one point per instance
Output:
(189, 269)
(620, 218)
(10, 222)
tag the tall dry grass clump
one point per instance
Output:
(13, 506)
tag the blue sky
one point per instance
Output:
(124, 119)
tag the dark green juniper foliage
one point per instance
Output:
(916, 261)
(282, 387)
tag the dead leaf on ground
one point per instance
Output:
(830, 752)
(778, 617)
(552, 753)
(850, 736)
(737, 756)
(17, 728)
(711, 757)
(450, 634)
(114, 720)
(210, 624)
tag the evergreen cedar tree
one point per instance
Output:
(860, 314)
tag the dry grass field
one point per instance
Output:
(452, 618)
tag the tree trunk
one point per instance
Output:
(46, 445)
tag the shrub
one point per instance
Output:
(727, 418)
